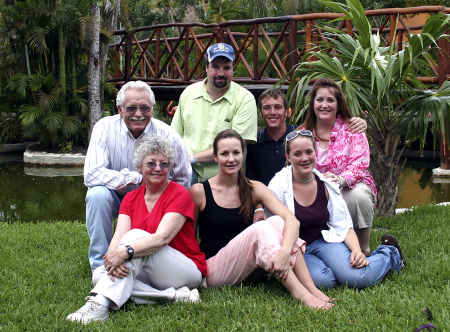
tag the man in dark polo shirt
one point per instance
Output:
(267, 156)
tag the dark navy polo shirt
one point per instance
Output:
(266, 157)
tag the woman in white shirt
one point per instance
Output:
(333, 254)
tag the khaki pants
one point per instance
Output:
(360, 201)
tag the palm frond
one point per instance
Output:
(425, 106)
(18, 83)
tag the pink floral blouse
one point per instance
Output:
(348, 155)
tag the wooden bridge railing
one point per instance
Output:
(266, 48)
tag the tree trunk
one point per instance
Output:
(385, 167)
(27, 59)
(110, 24)
(95, 110)
(62, 55)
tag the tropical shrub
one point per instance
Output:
(41, 113)
(381, 85)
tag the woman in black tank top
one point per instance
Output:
(236, 248)
(333, 254)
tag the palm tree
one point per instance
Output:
(43, 117)
(381, 85)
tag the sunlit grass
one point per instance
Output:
(45, 276)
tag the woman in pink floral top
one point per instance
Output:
(342, 155)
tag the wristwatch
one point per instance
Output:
(130, 252)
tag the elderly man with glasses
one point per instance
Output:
(108, 170)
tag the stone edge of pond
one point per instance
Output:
(44, 158)
(15, 147)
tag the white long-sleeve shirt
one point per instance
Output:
(109, 159)
(340, 220)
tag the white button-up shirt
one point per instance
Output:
(109, 159)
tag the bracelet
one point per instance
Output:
(257, 210)
(192, 159)
(341, 182)
(110, 250)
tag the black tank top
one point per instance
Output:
(217, 225)
(313, 219)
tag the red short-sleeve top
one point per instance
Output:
(174, 199)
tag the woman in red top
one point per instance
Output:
(154, 254)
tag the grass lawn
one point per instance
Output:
(45, 276)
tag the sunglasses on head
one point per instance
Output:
(144, 109)
(296, 133)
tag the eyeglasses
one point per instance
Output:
(152, 164)
(143, 108)
(295, 133)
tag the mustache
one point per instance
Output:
(135, 118)
(220, 78)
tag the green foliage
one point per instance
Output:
(370, 4)
(413, 3)
(66, 147)
(10, 132)
(382, 85)
(44, 117)
(50, 276)
(39, 81)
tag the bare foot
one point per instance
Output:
(317, 293)
(314, 302)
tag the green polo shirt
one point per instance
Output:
(198, 119)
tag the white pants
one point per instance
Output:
(151, 278)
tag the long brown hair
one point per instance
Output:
(245, 187)
(343, 111)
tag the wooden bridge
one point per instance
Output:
(266, 48)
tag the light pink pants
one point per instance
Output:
(254, 247)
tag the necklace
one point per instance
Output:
(300, 181)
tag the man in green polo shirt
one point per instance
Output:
(208, 107)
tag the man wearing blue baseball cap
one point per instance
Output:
(208, 107)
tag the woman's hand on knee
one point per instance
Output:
(280, 266)
(119, 272)
(115, 259)
(358, 259)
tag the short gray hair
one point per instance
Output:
(152, 144)
(120, 99)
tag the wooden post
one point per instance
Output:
(293, 59)
(349, 27)
(157, 55)
(218, 31)
(393, 19)
(117, 59)
(186, 55)
(308, 37)
(128, 50)
(255, 51)
(443, 71)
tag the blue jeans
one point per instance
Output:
(102, 204)
(329, 265)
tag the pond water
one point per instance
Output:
(29, 194)
(32, 193)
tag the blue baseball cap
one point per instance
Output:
(220, 49)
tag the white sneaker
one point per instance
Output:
(90, 312)
(183, 294)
